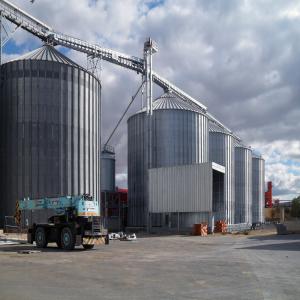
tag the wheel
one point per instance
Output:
(68, 239)
(41, 237)
(85, 246)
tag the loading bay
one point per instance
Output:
(157, 267)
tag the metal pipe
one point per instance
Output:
(122, 117)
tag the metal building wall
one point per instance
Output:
(186, 188)
(49, 131)
(243, 185)
(179, 136)
(108, 171)
(258, 189)
(181, 222)
(221, 151)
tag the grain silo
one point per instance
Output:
(50, 128)
(258, 189)
(221, 151)
(179, 137)
(243, 184)
(108, 169)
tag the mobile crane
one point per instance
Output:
(67, 221)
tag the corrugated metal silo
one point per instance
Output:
(179, 136)
(258, 189)
(49, 129)
(221, 151)
(108, 169)
(243, 185)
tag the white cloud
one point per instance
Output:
(121, 180)
(282, 166)
(240, 58)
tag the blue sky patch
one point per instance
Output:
(155, 3)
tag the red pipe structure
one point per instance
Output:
(268, 195)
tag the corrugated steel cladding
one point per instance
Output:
(221, 151)
(243, 185)
(258, 189)
(186, 220)
(180, 136)
(50, 125)
(182, 188)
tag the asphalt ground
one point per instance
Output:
(157, 267)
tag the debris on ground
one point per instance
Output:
(122, 236)
(129, 237)
(28, 251)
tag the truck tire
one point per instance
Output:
(41, 237)
(68, 239)
(87, 247)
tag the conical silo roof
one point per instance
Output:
(169, 101)
(47, 53)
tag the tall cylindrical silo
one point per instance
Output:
(179, 137)
(221, 151)
(49, 129)
(258, 189)
(108, 169)
(243, 185)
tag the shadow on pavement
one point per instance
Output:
(290, 246)
(17, 248)
(275, 237)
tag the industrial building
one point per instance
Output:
(49, 129)
(108, 169)
(113, 202)
(184, 166)
(243, 184)
(199, 171)
(258, 188)
(180, 137)
(193, 171)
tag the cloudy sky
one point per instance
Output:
(239, 58)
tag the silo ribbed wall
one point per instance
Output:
(108, 171)
(243, 185)
(258, 189)
(179, 137)
(137, 170)
(221, 151)
(49, 129)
